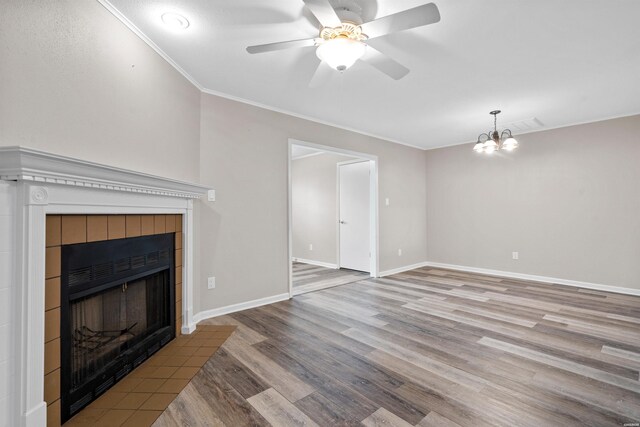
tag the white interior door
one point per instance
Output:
(354, 182)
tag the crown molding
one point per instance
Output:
(25, 164)
(138, 32)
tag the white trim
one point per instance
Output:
(304, 156)
(49, 184)
(375, 235)
(26, 164)
(532, 277)
(403, 269)
(331, 149)
(289, 220)
(208, 314)
(318, 263)
(305, 117)
(541, 129)
(138, 32)
(37, 417)
(111, 8)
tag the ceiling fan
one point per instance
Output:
(343, 36)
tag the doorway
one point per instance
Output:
(333, 217)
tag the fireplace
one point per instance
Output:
(117, 309)
(53, 201)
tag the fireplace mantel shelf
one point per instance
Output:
(35, 184)
(25, 164)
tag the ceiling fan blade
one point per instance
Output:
(291, 44)
(324, 12)
(383, 63)
(322, 76)
(410, 18)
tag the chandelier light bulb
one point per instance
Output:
(510, 144)
(341, 53)
(490, 143)
(479, 147)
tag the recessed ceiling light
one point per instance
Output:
(175, 21)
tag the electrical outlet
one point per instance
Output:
(399, 252)
(310, 246)
(514, 255)
(211, 283)
(386, 201)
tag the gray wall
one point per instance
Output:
(314, 207)
(568, 200)
(75, 81)
(243, 235)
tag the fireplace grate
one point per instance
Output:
(80, 275)
(97, 272)
(122, 372)
(140, 359)
(104, 386)
(122, 264)
(81, 403)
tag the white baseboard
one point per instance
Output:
(207, 314)
(543, 279)
(318, 263)
(188, 329)
(402, 269)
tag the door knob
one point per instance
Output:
(342, 222)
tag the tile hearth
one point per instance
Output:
(140, 398)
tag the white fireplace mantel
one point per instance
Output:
(43, 184)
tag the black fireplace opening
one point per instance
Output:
(117, 310)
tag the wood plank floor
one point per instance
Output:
(424, 348)
(309, 278)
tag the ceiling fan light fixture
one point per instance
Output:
(341, 53)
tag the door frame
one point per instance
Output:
(348, 162)
(373, 204)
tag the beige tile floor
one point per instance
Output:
(140, 398)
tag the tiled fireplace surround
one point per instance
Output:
(71, 229)
(59, 200)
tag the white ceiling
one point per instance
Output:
(562, 62)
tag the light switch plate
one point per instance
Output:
(211, 195)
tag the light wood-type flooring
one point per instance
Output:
(428, 348)
(308, 278)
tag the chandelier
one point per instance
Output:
(494, 141)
